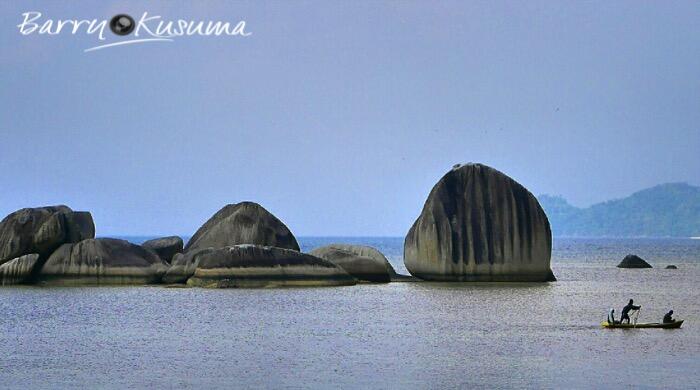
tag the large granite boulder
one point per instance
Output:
(242, 223)
(19, 270)
(363, 268)
(633, 261)
(264, 266)
(480, 225)
(165, 247)
(102, 261)
(41, 230)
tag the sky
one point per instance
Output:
(340, 116)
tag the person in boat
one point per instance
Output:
(625, 311)
(611, 317)
(668, 318)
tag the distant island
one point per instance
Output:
(666, 210)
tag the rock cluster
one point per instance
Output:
(41, 230)
(480, 225)
(476, 225)
(244, 245)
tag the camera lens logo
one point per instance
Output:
(122, 24)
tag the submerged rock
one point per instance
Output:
(633, 261)
(165, 247)
(41, 230)
(361, 267)
(671, 266)
(480, 225)
(102, 261)
(19, 270)
(262, 266)
(242, 223)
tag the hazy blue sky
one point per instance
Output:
(339, 117)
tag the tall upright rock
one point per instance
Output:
(242, 223)
(480, 225)
(42, 230)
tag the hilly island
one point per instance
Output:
(666, 210)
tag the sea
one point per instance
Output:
(385, 336)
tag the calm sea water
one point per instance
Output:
(400, 335)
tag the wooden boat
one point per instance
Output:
(668, 325)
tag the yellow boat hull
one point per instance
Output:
(670, 325)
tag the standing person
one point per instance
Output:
(625, 310)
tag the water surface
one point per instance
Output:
(399, 335)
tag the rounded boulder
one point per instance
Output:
(242, 223)
(260, 266)
(102, 261)
(19, 270)
(364, 268)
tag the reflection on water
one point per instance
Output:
(400, 335)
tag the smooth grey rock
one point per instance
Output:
(242, 223)
(264, 266)
(19, 270)
(102, 261)
(480, 225)
(183, 266)
(671, 266)
(361, 267)
(165, 247)
(367, 251)
(633, 261)
(41, 230)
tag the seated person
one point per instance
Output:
(611, 317)
(668, 318)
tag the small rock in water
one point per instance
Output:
(671, 267)
(633, 261)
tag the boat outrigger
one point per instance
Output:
(667, 325)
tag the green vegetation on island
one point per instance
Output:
(666, 210)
